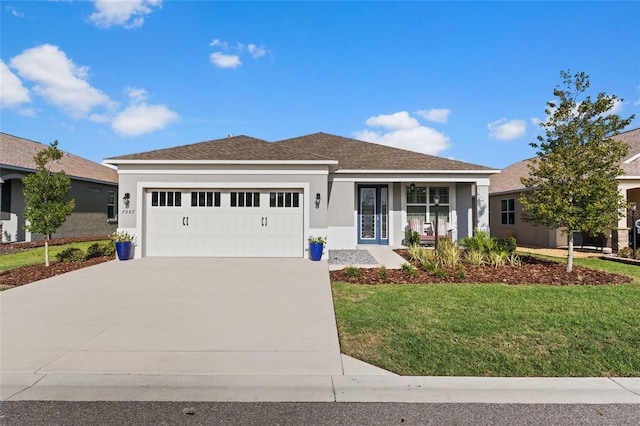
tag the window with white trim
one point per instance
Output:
(111, 205)
(418, 207)
(508, 211)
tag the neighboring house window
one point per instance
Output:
(5, 201)
(166, 199)
(205, 199)
(245, 199)
(418, 207)
(508, 213)
(284, 199)
(111, 205)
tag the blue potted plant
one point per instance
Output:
(316, 245)
(123, 242)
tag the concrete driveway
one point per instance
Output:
(168, 316)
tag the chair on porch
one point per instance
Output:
(426, 230)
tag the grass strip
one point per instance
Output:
(35, 256)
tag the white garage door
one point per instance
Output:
(224, 223)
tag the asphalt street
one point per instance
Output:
(68, 413)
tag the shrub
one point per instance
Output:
(506, 244)
(440, 273)
(382, 272)
(514, 260)
(448, 253)
(475, 257)
(412, 238)
(627, 253)
(497, 259)
(352, 272)
(460, 272)
(72, 254)
(99, 250)
(409, 270)
(429, 260)
(416, 252)
(480, 241)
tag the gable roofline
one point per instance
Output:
(235, 162)
(18, 153)
(407, 171)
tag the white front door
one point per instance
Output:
(224, 223)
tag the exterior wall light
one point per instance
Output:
(126, 199)
(317, 200)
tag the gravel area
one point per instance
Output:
(351, 257)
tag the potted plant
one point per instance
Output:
(123, 242)
(316, 245)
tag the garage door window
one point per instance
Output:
(205, 199)
(166, 199)
(245, 199)
(284, 199)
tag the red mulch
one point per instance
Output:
(531, 271)
(28, 274)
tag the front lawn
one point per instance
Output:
(494, 329)
(35, 256)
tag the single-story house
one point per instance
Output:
(506, 210)
(93, 186)
(241, 196)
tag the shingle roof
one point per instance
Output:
(509, 178)
(235, 148)
(19, 152)
(354, 154)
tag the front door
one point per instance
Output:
(373, 214)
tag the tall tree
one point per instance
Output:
(572, 181)
(45, 193)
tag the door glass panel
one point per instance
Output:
(384, 213)
(368, 213)
(178, 199)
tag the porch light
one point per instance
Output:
(412, 187)
(317, 200)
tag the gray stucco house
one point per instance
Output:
(241, 196)
(93, 186)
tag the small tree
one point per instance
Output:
(572, 183)
(45, 193)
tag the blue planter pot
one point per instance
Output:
(123, 250)
(315, 251)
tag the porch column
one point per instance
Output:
(620, 236)
(482, 207)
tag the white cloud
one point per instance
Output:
(221, 60)
(12, 92)
(139, 119)
(398, 120)
(617, 107)
(129, 13)
(14, 11)
(437, 115)
(405, 132)
(232, 59)
(256, 51)
(59, 80)
(505, 130)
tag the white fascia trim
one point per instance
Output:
(221, 185)
(632, 159)
(404, 172)
(414, 179)
(627, 177)
(223, 172)
(249, 162)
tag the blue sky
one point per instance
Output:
(462, 80)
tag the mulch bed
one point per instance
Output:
(532, 271)
(28, 274)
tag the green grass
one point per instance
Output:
(36, 255)
(495, 330)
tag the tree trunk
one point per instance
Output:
(570, 251)
(46, 250)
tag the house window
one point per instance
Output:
(205, 199)
(166, 199)
(507, 210)
(111, 205)
(284, 199)
(5, 200)
(422, 207)
(245, 199)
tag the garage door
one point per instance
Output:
(224, 223)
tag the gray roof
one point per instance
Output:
(18, 153)
(354, 154)
(235, 148)
(351, 154)
(509, 178)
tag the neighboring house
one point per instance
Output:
(506, 210)
(93, 186)
(241, 196)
